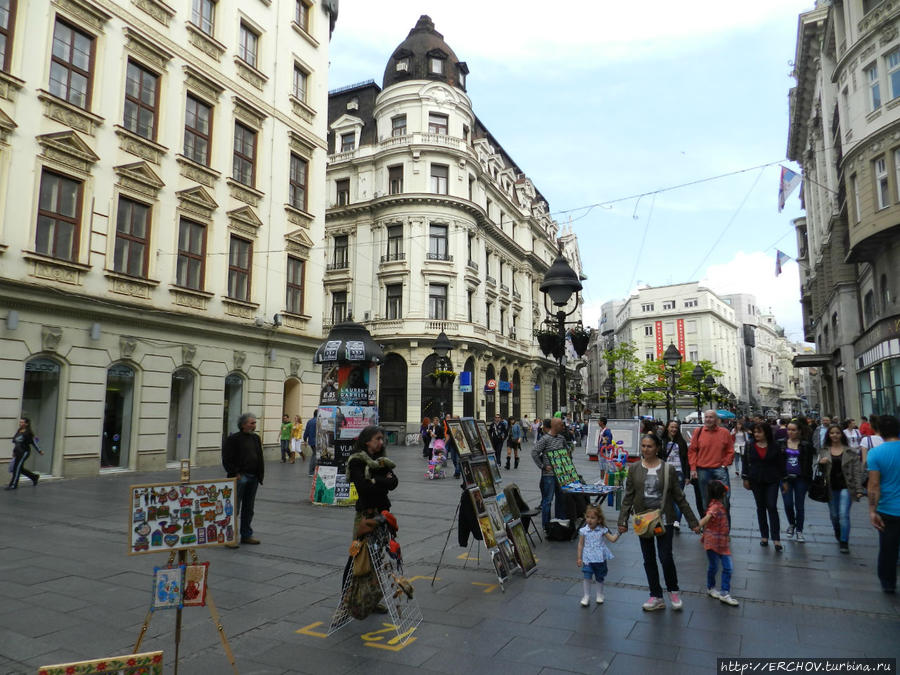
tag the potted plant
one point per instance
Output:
(580, 338)
(547, 341)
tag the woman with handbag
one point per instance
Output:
(651, 493)
(763, 473)
(842, 479)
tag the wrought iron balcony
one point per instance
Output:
(472, 264)
(338, 265)
(439, 256)
(393, 257)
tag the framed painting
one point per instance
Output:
(168, 588)
(195, 584)
(456, 433)
(477, 501)
(145, 663)
(509, 553)
(484, 436)
(503, 505)
(487, 531)
(466, 469)
(493, 512)
(500, 564)
(472, 436)
(524, 556)
(495, 470)
(481, 472)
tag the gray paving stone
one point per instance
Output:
(623, 664)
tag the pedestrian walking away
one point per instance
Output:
(763, 473)
(287, 430)
(652, 486)
(242, 458)
(842, 481)
(309, 437)
(675, 452)
(799, 458)
(23, 441)
(513, 441)
(884, 499)
(717, 543)
(593, 553)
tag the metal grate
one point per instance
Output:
(404, 612)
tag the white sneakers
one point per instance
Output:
(676, 601)
(653, 603)
(713, 593)
(800, 537)
(600, 598)
(585, 601)
(724, 597)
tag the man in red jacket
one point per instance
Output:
(710, 454)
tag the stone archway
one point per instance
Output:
(392, 386)
(469, 396)
(503, 394)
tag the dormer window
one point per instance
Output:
(403, 65)
(348, 141)
(462, 79)
(436, 65)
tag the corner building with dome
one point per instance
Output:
(431, 226)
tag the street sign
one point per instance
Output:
(654, 389)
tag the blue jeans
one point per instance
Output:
(794, 500)
(704, 476)
(549, 489)
(839, 508)
(246, 497)
(714, 560)
(597, 570)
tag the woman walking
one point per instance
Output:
(739, 434)
(425, 431)
(799, 454)
(22, 442)
(653, 484)
(842, 479)
(675, 452)
(763, 472)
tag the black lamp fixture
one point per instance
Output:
(442, 347)
(559, 284)
(698, 374)
(672, 358)
(610, 390)
(637, 400)
(710, 383)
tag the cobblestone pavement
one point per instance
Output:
(71, 592)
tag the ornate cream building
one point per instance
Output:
(432, 226)
(161, 189)
(845, 134)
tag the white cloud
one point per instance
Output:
(755, 273)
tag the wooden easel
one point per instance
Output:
(213, 612)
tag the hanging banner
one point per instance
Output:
(657, 328)
(679, 329)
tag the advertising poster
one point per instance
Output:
(349, 420)
(173, 516)
(326, 479)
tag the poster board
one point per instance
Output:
(626, 436)
(687, 431)
(175, 516)
(563, 468)
(145, 663)
(593, 437)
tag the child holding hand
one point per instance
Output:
(715, 540)
(593, 552)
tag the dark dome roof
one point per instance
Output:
(423, 43)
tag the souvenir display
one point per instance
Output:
(493, 512)
(459, 438)
(168, 588)
(503, 504)
(563, 468)
(481, 471)
(472, 436)
(173, 516)
(523, 553)
(145, 663)
(195, 584)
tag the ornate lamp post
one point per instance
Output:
(698, 374)
(672, 358)
(441, 348)
(637, 401)
(559, 284)
(710, 383)
(610, 390)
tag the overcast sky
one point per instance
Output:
(598, 102)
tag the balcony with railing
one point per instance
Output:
(338, 265)
(471, 264)
(516, 295)
(504, 288)
(446, 257)
(422, 138)
(397, 256)
(490, 281)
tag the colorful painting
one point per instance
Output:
(456, 433)
(500, 564)
(324, 482)
(493, 512)
(472, 436)
(487, 531)
(503, 505)
(563, 468)
(484, 436)
(145, 663)
(477, 501)
(524, 556)
(495, 470)
(509, 554)
(195, 584)
(483, 479)
(168, 588)
(467, 474)
(173, 516)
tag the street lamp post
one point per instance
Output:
(710, 383)
(559, 284)
(609, 388)
(637, 401)
(698, 374)
(671, 357)
(441, 348)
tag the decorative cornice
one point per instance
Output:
(298, 217)
(301, 109)
(66, 148)
(128, 285)
(240, 308)
(140, 146)
(248, 112)
(190, 298)
(244, 221)
(62, 271)
(7, 126)
(206, 44)
(198, 202)
(145, 48)
(200, 84)
(300, 144)
(299, 243)
(197, 172)
(68, 114)
(250, 74)
(10, 86)
(85, 11)
(156, 9)
(139, 177)
(243, 193)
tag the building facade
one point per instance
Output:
(844, 130)
(162, 186)
(431, 227)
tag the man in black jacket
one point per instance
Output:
(242, 457)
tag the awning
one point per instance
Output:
(811, 360)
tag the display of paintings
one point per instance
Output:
(508, 553)
(477, 501)
(467, 474)
(456, 433)
(563, 468)
(503, 505)
(483, 479)
(495, 470)
(524, 556)
(168, 588)
(493, 512)
(484, 435)
(172, 516)
(500, 564)
(472, 436)
(145, 663)
(487, 531)
(195, 575)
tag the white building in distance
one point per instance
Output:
(162, 189)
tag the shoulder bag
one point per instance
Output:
(649, 523)
(818, 491)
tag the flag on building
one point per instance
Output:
(780, 259)
(789, 182)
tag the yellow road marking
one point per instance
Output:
(488, 587)
(307, 630)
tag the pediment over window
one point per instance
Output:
(198, 201)
(436, 54)
(248, 113)
(66, 148)
(346, 122)
(140, 178)
(6, 126)
(402, 53)
(244, 221)
(298, 242)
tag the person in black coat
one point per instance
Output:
(763, 472)
(799, 457)
(675, 452)
(242, 458)
(370, 470)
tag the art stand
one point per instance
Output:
(403, 610)
(447, 541)
(181, 555)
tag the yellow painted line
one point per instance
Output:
(488, 587)
(373, 639)
(308, 630)
(421, 577)
(465, 556)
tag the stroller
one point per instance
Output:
(438, 461)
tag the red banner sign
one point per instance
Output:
(659, 339)
(680, 331)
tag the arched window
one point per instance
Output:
(40, 404)
(181, 415)
(437, 397)
(233, 403)
(392, 385)
(490, 396)
(503, 386)
(469, 396)
(117, 415)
